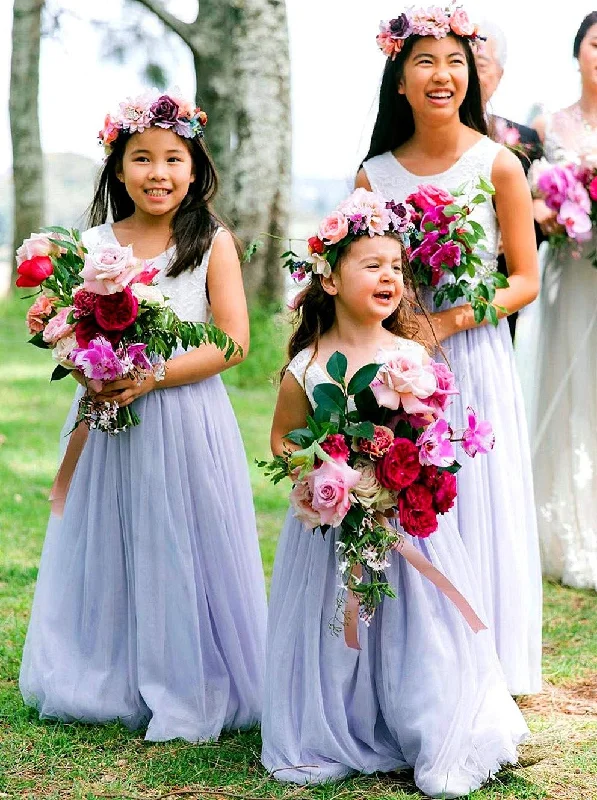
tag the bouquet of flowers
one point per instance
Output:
(101, 312)
(445, 243)
(378, 446)
(571, 191)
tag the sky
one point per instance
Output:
(335, 72)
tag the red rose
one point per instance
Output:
(400, 466)
(442, 486)
(87, 329)
(34, 271)
(335, 446)
(115, 312)
(416, 512)
(316, 245)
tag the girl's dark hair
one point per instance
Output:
(315, 311)
(395, 122)
(587, 23)
(194, 223)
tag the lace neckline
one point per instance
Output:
(167, 252)
(456, 164)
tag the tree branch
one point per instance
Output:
(186, 30)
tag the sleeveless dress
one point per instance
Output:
(496, 511)
(424, 692)
(150, 603)
(558, 362)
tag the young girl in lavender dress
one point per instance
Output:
(150, 603)
(424, 691)
(430, 129)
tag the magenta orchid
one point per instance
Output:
(478, 437)
(435, 445)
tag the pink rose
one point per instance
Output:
(428, 196)
(301, 498)
(39, 312)
(333, 228)
(461, 24)
(335, 446)
(57, 328)
(446, 386)
(331, 484)
(593, 189)
(403, 381)
(109, 268)
(38, 244)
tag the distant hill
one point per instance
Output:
(69, 180)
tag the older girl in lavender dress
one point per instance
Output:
(150, 602)
(424, 692)
(430, 129)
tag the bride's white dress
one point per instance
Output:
(557, 357)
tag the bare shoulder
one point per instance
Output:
(362, 181)
(223, 245)
(506, 167)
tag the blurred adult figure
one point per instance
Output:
(521, 139)
(561, 359)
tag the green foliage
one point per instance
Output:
(270, 330)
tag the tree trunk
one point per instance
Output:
(242, 67)
(27, 155)
(262, 158)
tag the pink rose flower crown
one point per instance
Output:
(153, 108)
(433, 21)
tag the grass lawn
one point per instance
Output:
(52, 760)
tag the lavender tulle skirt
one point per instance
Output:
(424, 692)
(150, 603)
(495, 508)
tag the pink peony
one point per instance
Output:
(333, 228)
(403, 381)
(461, 24)
(478, 437)
(435, 446)
(38, 312)
(115, 312)
(331, 484)
(335, 446)
(57, 328)
(301, 498)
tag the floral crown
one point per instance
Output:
(153, 108)
(433, 21)
(362, 213)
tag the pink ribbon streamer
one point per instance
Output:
(417, 560)
(65, 473)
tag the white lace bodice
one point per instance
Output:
(187, 295)
(568, 139)
(389, 178)
(309, 373)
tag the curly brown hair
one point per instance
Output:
(314, 312)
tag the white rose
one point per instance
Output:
(109, 268)
(369, 491)
(63, 349)
(148, 294)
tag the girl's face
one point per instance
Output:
(435, 77)
(368, 285)
(587, 57)
(157, 170)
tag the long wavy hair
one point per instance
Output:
(194, 222)
(395, 123)
(315, 311)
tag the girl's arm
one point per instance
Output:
(514, 209)
(229, 310)
(292, 409)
